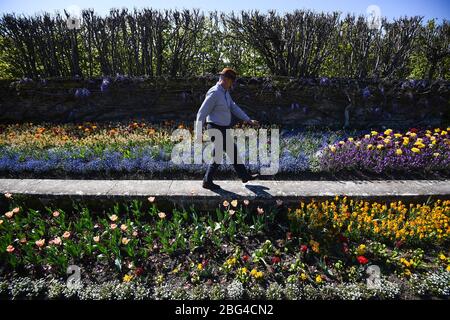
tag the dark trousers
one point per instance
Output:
(239, 167)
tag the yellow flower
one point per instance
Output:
(415, 150)
(374, 133)
(398, 135)
(231, 261)
(255, 273)
(380, 146)
(113, 217)
(388, 132)
(436, 154)
(369, 146)
(350, 139)
(319, 279)
(234, 203)
(127, 278)
(332, 148)
(200, 266)
(367, 136)
(442, 257)
(361, 250)
(405, 141)
(448, 268)
(315, 246)
(244, 270)
(399, 152)
(405, 262)
(125, 241)
(303, 276)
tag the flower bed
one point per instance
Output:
(144, 150)
(390, 151)
(317, 250)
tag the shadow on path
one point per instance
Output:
(259, 191)
(225, 193)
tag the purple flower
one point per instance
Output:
(366, 93)
(324, 81)
(105, 85)
(82, 93)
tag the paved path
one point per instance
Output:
(190, 191)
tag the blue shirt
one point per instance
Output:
(218, 106)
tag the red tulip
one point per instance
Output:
(362, 259)
(139, 271)
(275, 260)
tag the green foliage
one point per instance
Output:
(190, 42)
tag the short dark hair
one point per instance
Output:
(229, 73)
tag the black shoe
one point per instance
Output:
(210, 185)
(251, 177)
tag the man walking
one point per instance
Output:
(216, 109)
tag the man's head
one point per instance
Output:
(227, 77)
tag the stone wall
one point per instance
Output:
(294, 102)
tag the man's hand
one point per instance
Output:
(253, 122)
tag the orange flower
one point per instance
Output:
(10, 249)
(40, 243)
(57, 241)
(9, 214)
(113, 226)
(66, 235)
